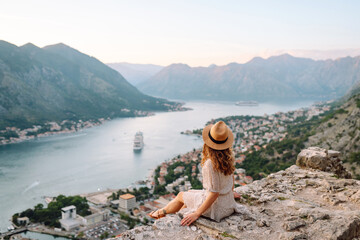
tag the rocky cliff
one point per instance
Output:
(301, 202)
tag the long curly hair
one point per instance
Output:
(222, 160)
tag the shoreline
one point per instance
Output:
(68, 126)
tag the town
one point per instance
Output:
(254, 132)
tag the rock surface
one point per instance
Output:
(322, 159)
(296, 203)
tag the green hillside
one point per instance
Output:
(58, 83)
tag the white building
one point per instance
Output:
(68, 219)
(127, 202)
(23, 221)
(95, 218)
(170, 187)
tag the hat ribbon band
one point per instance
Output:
(216, 141)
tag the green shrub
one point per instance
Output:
(358, 102)
(355, 158)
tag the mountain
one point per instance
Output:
(136, 73)
(57, 82)
(277, 78)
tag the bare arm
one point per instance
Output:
(210, 199)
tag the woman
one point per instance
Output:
(216, 201)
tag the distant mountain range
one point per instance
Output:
(57, 82)
(278, 78)
(136, 73)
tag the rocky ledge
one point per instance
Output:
(301, 202)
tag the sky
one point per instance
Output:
(194, 32)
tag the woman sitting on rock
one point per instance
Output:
(216, 201)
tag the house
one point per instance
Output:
(127, 202)
(179, 169)
(23, 221)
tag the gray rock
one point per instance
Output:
(319, 158)
(332, 153)
(262, 223)
(292, 225)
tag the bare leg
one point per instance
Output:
(176, 204)
(184, 206)
(172, 207)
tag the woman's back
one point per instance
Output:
(215, 181)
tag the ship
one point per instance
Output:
(247, 103)
(138, 142)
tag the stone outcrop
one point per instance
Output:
(322, 159)
(296, 203)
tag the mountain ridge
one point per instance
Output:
(281, 77)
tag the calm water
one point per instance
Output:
(40, 236)
(102, 157)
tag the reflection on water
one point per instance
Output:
(102, 157)
(34, 184)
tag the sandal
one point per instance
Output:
(158, 215)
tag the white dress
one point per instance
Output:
(213, 181)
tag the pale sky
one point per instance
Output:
(195, 32)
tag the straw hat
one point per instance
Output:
(218, 136)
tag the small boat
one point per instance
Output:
(138, 142)
(247, 103)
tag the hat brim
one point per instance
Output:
(229, 142)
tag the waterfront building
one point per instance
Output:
(23, 221)
(95, 218)
(127, 202)
(68, 219)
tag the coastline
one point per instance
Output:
(67, 126)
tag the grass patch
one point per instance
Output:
(248, 199)
(225, 234)
(282, 198)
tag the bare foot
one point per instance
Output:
(157, 214)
